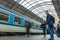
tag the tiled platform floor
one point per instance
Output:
(32, 37)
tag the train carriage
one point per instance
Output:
(11, 21)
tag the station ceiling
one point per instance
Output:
(56, 4)
(38, 7)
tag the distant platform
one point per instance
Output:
(31, 37)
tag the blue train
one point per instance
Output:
(11, 21)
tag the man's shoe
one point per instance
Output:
(50, 39)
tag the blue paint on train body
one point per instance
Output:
(11, 19)
(22, 22)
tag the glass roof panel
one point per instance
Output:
(15, 0)
(24, 3)
(38, 7)
(27, 5)
(21, 1)
(28, 0)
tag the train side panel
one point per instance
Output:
(14, 25)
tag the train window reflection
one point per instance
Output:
(17, 20)
(4, 17)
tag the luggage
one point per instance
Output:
(57, 31)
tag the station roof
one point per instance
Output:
(56, 4)
(38, 7)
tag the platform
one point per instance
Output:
(32, 37)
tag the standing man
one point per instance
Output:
(43, 26)
(28, 26)
(50, 20)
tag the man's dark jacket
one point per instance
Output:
(50, 20)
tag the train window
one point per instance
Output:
(17, 20)
(4, 17)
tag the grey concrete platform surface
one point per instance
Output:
(32, 37)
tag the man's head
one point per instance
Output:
(46, 11)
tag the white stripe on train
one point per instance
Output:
(9, 28)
